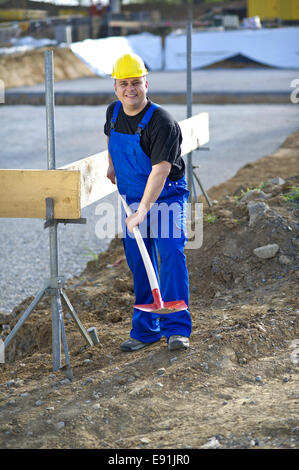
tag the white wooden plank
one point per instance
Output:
(94, 183)
(195, 132)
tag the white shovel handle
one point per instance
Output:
(143, 251)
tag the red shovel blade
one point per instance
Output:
(166, 307)
(162, 307)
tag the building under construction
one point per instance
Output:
(67, 24)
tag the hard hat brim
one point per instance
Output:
(122, 77)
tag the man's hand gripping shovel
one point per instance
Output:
(159, 306)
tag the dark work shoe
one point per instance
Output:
(132, 344)
(176, 342)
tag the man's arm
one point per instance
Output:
(110, 171)
(154, 186)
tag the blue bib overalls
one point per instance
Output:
(165, 233)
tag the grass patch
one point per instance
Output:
(210, 218)
(292, 195)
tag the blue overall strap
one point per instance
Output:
(146, 118)
(115, 114)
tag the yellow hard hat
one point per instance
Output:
(129, 66)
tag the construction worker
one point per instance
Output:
(145, 163)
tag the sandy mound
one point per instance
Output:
(27, 68)
(237, 385)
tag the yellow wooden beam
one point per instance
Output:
(23, 193)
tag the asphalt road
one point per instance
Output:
(243, 80)
(238, 134)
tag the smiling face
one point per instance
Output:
(132, 94)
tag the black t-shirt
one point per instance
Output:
(161, 140)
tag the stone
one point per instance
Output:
(60, 425)
(65, 382)
(254, 194)
(89, 380)
(257, 211)
(10, 383)
(159, 385)
(284, 259)
(212, 443)
(277, 180)
(6, 328)
(266, 251)
(145, 440)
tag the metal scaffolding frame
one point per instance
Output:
(55, 285)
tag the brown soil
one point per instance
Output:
(27, 68)
(237, 385)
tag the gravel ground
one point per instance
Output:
(239, 134)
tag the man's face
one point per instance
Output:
(132, 93)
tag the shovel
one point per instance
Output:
(159, 306)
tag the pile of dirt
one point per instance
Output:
(237, 385)
(28, 68)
